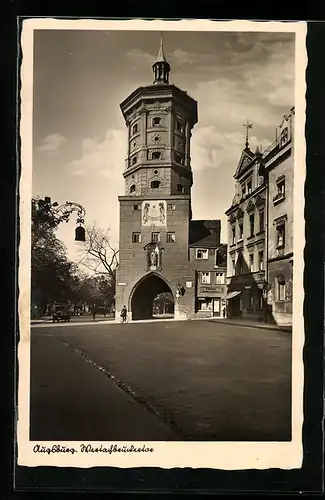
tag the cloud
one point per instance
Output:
(52, 143)
(101, 158)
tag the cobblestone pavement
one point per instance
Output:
(205, 380)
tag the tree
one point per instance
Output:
(53, 276)
(100, 257)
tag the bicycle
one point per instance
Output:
(124, 319)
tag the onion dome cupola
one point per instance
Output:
(161, 67)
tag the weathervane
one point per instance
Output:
(247, 125)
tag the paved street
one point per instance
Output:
(196, 380)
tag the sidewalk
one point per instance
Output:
(253, 324)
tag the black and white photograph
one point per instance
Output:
(162, 236)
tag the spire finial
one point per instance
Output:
(161, 67)
(247, 125)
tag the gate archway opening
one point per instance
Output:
(152, 297)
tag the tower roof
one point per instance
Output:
(161, 67)
(161, 55)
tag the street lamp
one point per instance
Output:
(65, 210)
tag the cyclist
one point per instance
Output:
(124, 313)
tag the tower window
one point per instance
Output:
(155, 184)
(136, 237)
(135, 128)
(156, 121)
(132, 188)
(171, 237)
(171, 206)
(136, 207)
(156, 155)
(134, 160)
(180, 188)
(179, 126)
(155, 237)
(179, 158)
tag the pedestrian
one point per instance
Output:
(224, 312)
(124, 313)
(93, 310)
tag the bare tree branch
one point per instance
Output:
(100, 256)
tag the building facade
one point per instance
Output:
(247, 238)
(260, 232)
(156, 227)
(279, 164)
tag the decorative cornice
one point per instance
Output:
(280, 220)
(259, 201)
(250, 206)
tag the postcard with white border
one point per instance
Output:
(161, 251)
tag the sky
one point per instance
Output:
(80, 78)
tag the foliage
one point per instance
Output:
(53, 276)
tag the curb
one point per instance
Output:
(257, 325)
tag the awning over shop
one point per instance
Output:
(231, 295)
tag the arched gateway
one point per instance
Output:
(144, 293)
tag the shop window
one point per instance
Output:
(205, 278)
(155, 237)
(206, 305)
(136, 237)
(202, 253)
(251, 299)
(281, 290)
(171, 237)
(155, 184)
(260, 300)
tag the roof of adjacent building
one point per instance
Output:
(205, 233)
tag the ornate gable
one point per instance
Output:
(246, 157)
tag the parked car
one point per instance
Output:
(61, 311)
